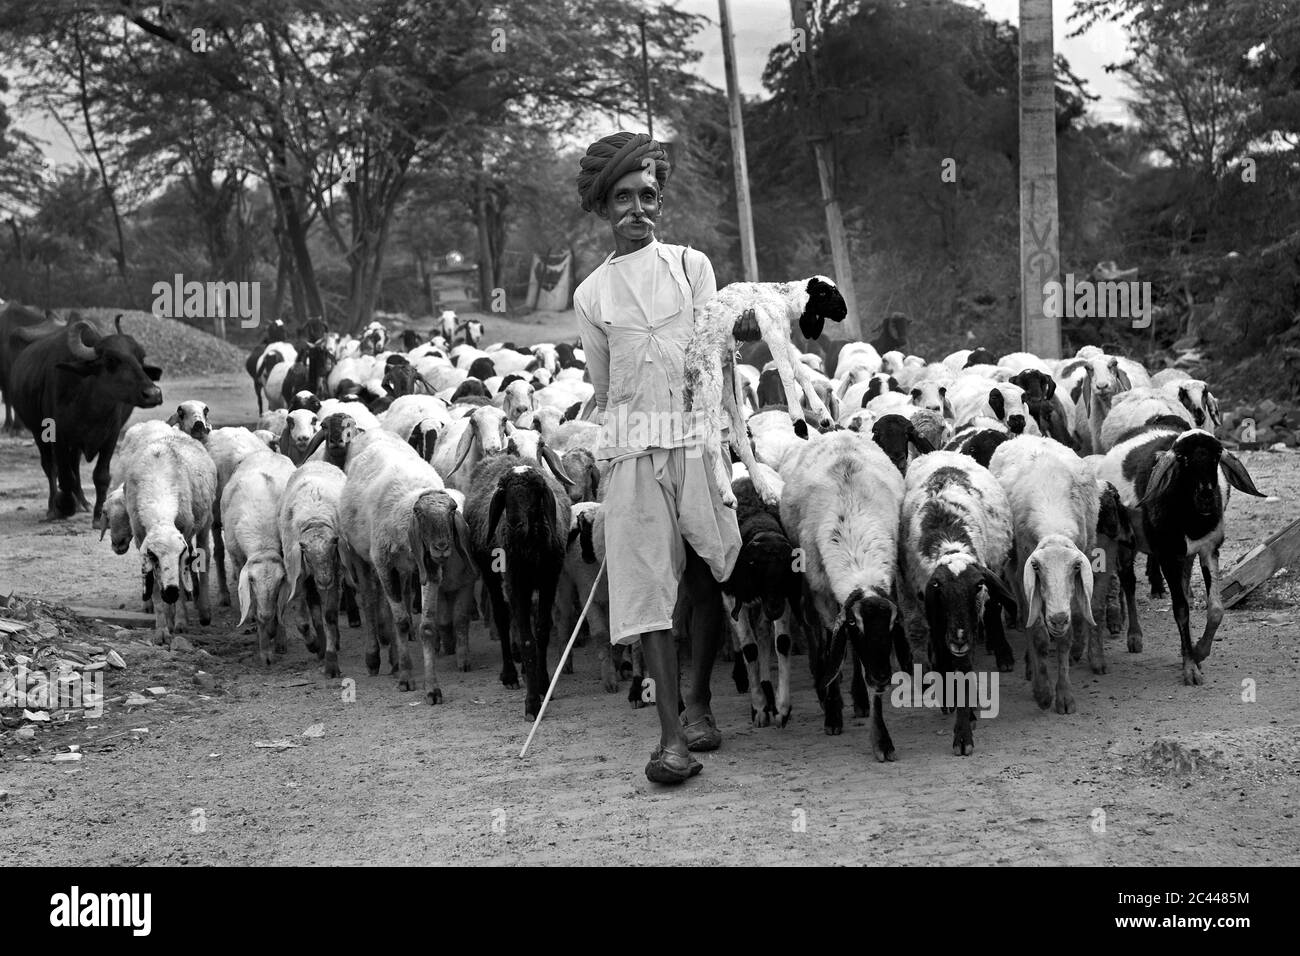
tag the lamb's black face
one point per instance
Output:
(824, 302)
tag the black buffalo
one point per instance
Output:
(18, 326)
(75, 388)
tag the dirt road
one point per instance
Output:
(1147, 772)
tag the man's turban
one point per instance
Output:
(613, 157)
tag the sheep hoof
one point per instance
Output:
(834, 724)
(1100, 668)
(433, 697)
(1135, 643)
(883, 750)
(533, 705)
(372, 663)
(331, 668)
(268, 660)
(568, 665)
(224, 600)
(861, 710)
(760, 718)
(510, 679)
(963, 745)
(1192, 675)
(1043, 697)
(1064, 703)
(1006, 661)
(463, 666)
(783, 718)
(404, 684)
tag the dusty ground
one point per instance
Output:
(394, 781)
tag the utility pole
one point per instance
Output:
(645, 74)
(744, 212)
(820, 139)
(1040, 233)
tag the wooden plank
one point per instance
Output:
(1279, 551)
(114, 616)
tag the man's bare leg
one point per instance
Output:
(671, 761)
(705, 624)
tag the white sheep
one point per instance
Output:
(841, 507)
(1054, 507)
(298, 432)
(308, 522)
(419, 419)
(1092, 380)
(397, 532)
(582, 560)
(1135, 408)
(465, 442)
(972, 395)
(712, 347)
(456, 590)
(957, 536)
(515, 399)
(274, 383)
(191, 418)
(227, 447)
(250, 505)
(169, 491)
(1195, 396)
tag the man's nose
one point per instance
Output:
(636, 205)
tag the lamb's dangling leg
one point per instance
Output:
(803, 375)
(740, 436)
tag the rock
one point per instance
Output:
(137, 700)
(4, 796)
(25, 733)
(181, 643)
(205, 680)
(115, 660)
(1266, 407)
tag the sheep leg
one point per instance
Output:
(202, 596)
(858, 686)
(902, 646)
(1037, 648)
(1064, 691)
(520, 609)
(739, 669)
(348, 603)
(542, 630)
(598, 629)
(1153, 576)
(803, 375)
(995, 637)
(501, 624)
(963, 730)
(1213, 603)
(161, 617)
(401, 615)
(429, 612)
(1096, 633)
(1128, 583)
(740, 441)
(872, 649)
(1172, 566)
(821, 656)
(219, 551)
(462, 605)
(783, 643)
(368, 593)
(759, 715)
(311, 620)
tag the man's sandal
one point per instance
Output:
(667, 766)
(703, 734)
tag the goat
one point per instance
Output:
(1176, 486)
(763, 594)
(840, 506)
(308, 522)
(711, 351)
(1054, 512)
(250, 504)
(956, 528)
(519, 522)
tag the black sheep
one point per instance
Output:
(894, 434)
(518, 520)
(763, 595)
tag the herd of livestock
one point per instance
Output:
(411, 481)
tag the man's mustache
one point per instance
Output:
(629, 218)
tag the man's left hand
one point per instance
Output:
(746, 328)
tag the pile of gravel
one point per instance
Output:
(181, 350)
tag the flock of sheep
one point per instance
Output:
(428, 482)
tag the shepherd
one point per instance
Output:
(669, 539)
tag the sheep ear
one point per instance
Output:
(245, 594)
(1125, 383)
(919, 441)
(175, 418)
(1186, 401)
(292, 571)
(997, 403)
(1051, 385)
(315, 443)
(1237, 474)
(1033, 603)
(594, 474)
(458, 532)
(463, 448)
(495, 507)
(935, 618)
(1086, 393)
(1161, 477)
(1001, 593)
(1212, 404)
(586, 538)
(548, 455)
(811, 324)
(1083, 567)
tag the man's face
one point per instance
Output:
(632, 204)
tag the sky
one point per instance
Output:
(759, 25)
